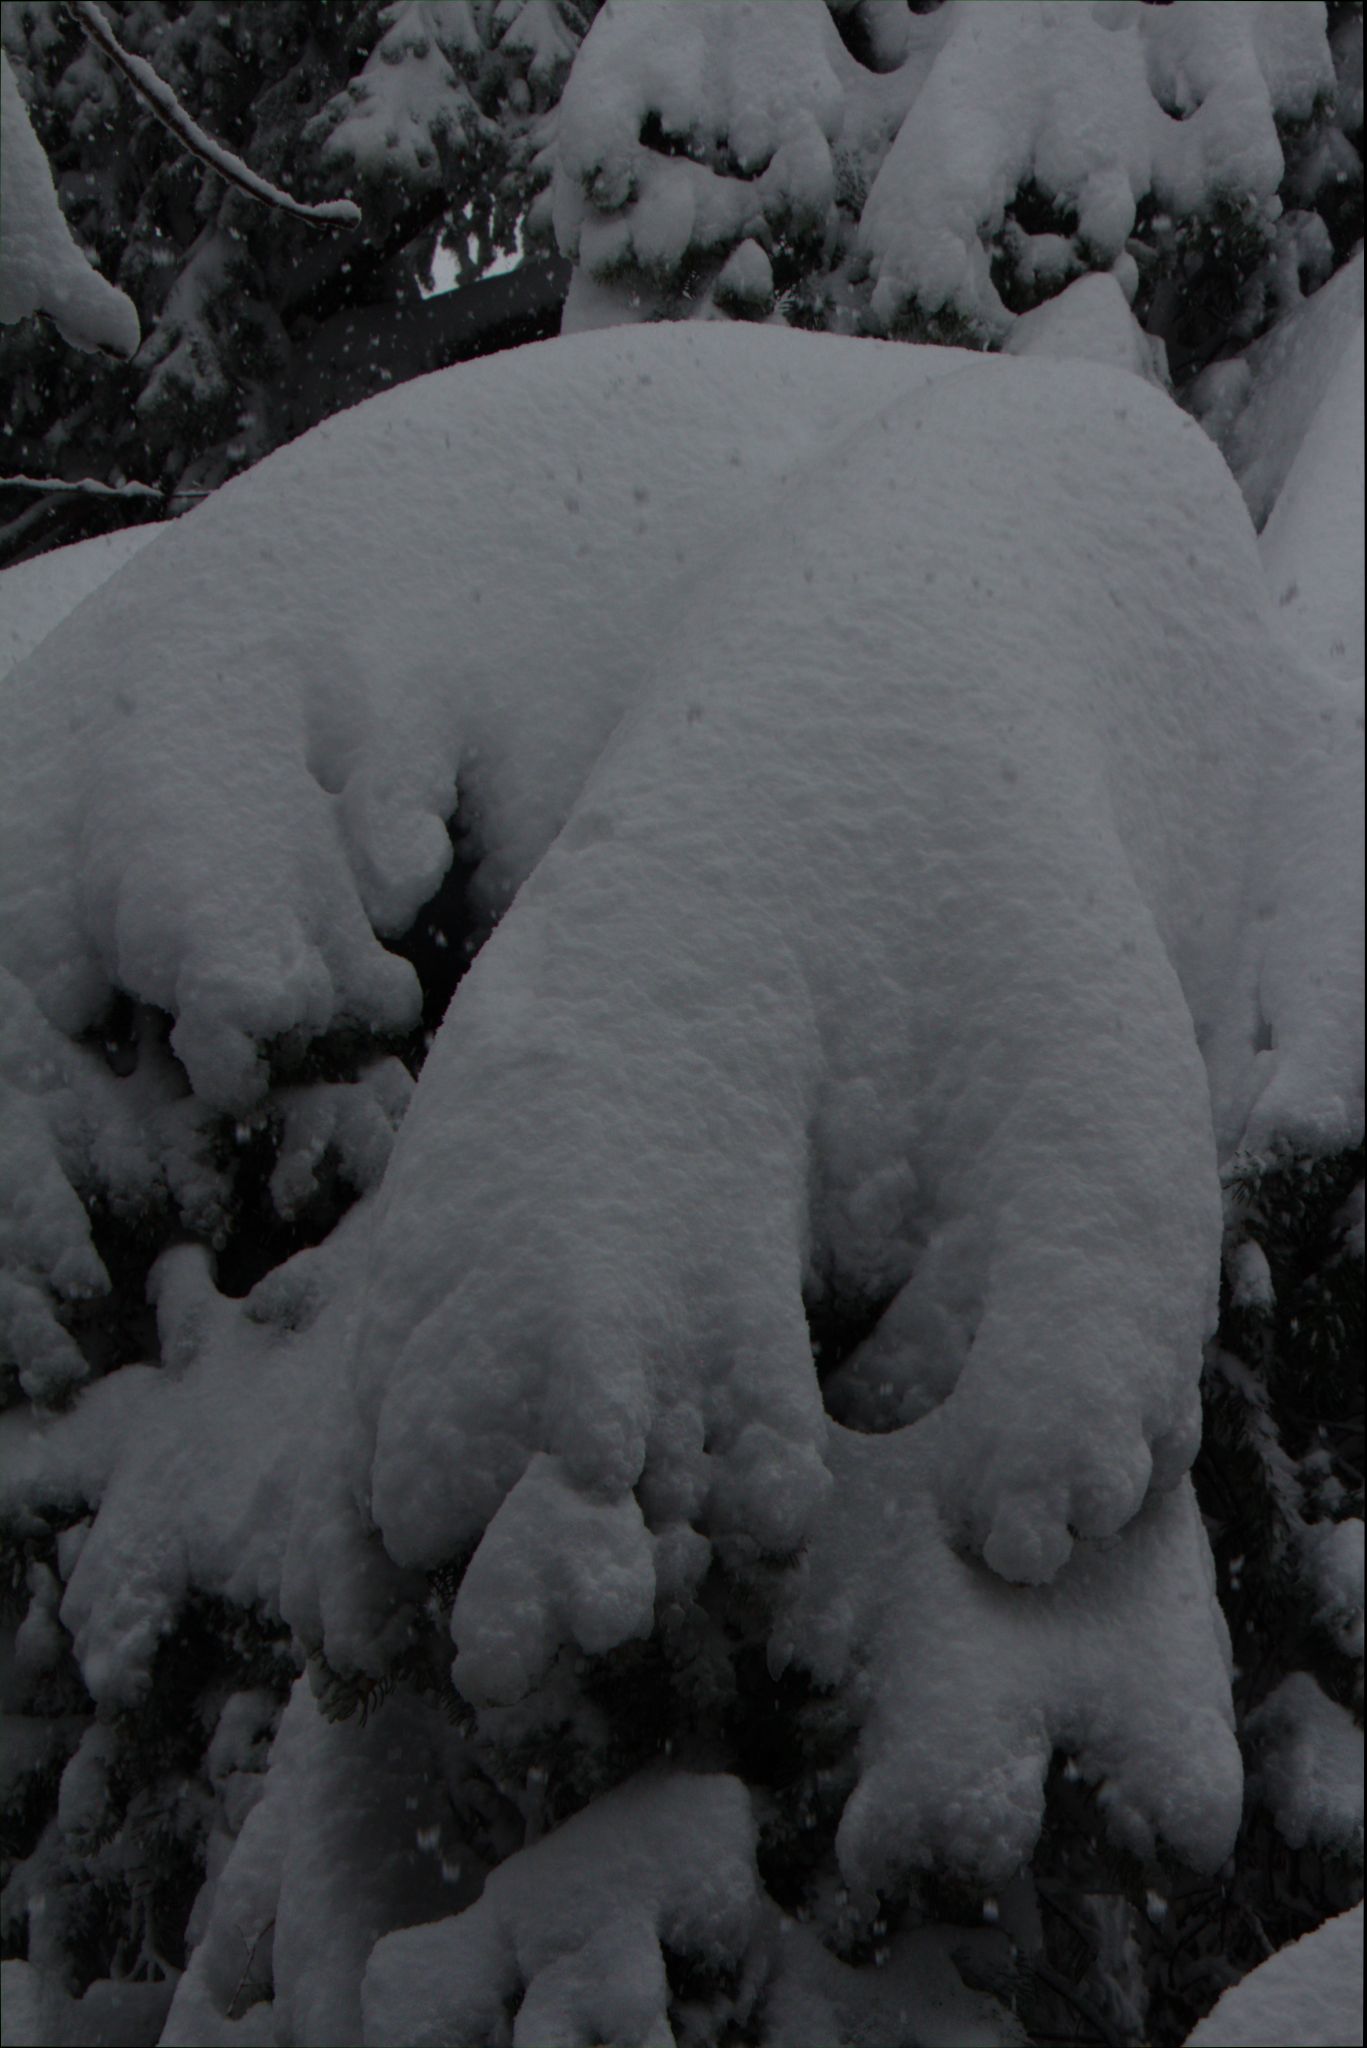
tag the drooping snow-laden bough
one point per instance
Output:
(911, 864)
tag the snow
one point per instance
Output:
(357, 1831)
(1089, 321)
(1000, 106)
(747, 278)
(592, 1583)
(755, 99)
(43, 270)
(1313, 541)
(1121, 1664)
(915, 1995)
(1288, 417)
(350, 803)
(1000, 103)
(764, 120)
(1332, 1560)
(35, 596)
(212, 1440)
(880, 837)
(573, 1927)
(1309, 1994)
(1259, 406)
(1310, 1766)
(37, 2013)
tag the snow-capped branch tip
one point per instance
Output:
(329, 213)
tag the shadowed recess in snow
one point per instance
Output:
(444, 938)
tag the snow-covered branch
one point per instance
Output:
(44, 269)
(85, 486)
(150, 86)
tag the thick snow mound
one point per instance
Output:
(764, 92)
(1306, 1996)
(898, 783)
(875, 956)
(1259, 406)
(41, 268)
(1090, 320)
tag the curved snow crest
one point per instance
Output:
(1288, 416)
(35, 596)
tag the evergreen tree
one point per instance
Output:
(726, 1747)
(922, 171)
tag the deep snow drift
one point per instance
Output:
(921, 860)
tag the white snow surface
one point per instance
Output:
(35, 2012)
(35, 596)
(42, 269)
(914, 1996)
(1332, 1560)
(1308, 1995)
(1260, 406)
(883, 832)
(1090, 321)
(957, 1743)
(408, 109)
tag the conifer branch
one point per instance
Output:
(85, 486)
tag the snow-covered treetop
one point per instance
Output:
(42, 268)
